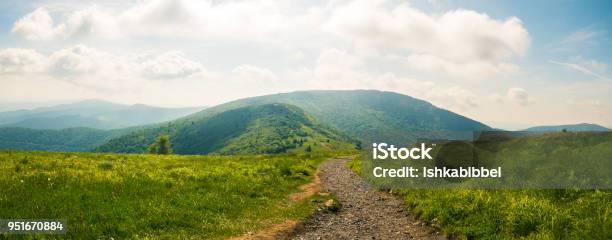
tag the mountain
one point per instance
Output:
(281, 122)
(581, 127)
(70, 139)
(92, 114)
(255, 129)
(368, 115)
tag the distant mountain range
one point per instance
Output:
(581, 127)
(91, 114)
(296, 121)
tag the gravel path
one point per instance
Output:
(365, 214)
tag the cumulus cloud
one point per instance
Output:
(92, 67)
(232, 19)
(455, 44)
(458, 35)
(519, 95)
(256, 20)
(78, 60)
(514, 95)
(250, 73)
(20, 61)
(39, 25)
(171, 65)
(35, 26)
(459, 43)
(473, 70)
(340, 69)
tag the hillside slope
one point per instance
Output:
(267, 128)
(92, 114)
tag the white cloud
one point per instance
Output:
(250, 73)
(255, 20)
(91, 67)
(35, 26)
(459, 35)
(20, 61)
(583, 35)
(457, 44)
(39, 25)
(593, 68)
(78, 60)
(519, 95)
(515, 95)
(471, 70)
(339, 69)
(171, 65)
(89, 22)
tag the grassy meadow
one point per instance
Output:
(515, 214)
(141, 196)
(512, 214)
(523, 213)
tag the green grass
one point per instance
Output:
(150, 196)
(512, 214)
(504, 214)
(528, 213)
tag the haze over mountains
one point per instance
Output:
(92, 114)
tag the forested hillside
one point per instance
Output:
(268, 128)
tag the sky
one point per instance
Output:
(508, 64)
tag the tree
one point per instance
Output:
(162, 146)
(308, 149)
(152, 149)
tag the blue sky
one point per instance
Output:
(510, 64)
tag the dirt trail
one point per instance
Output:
(366, 213)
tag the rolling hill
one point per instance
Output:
(368, 115)
(581, 127)
(266, 128)
(91, 114)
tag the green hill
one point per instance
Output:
(581, 127)
(369, 115)
(267, 128)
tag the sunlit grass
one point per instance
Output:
(151, 196)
